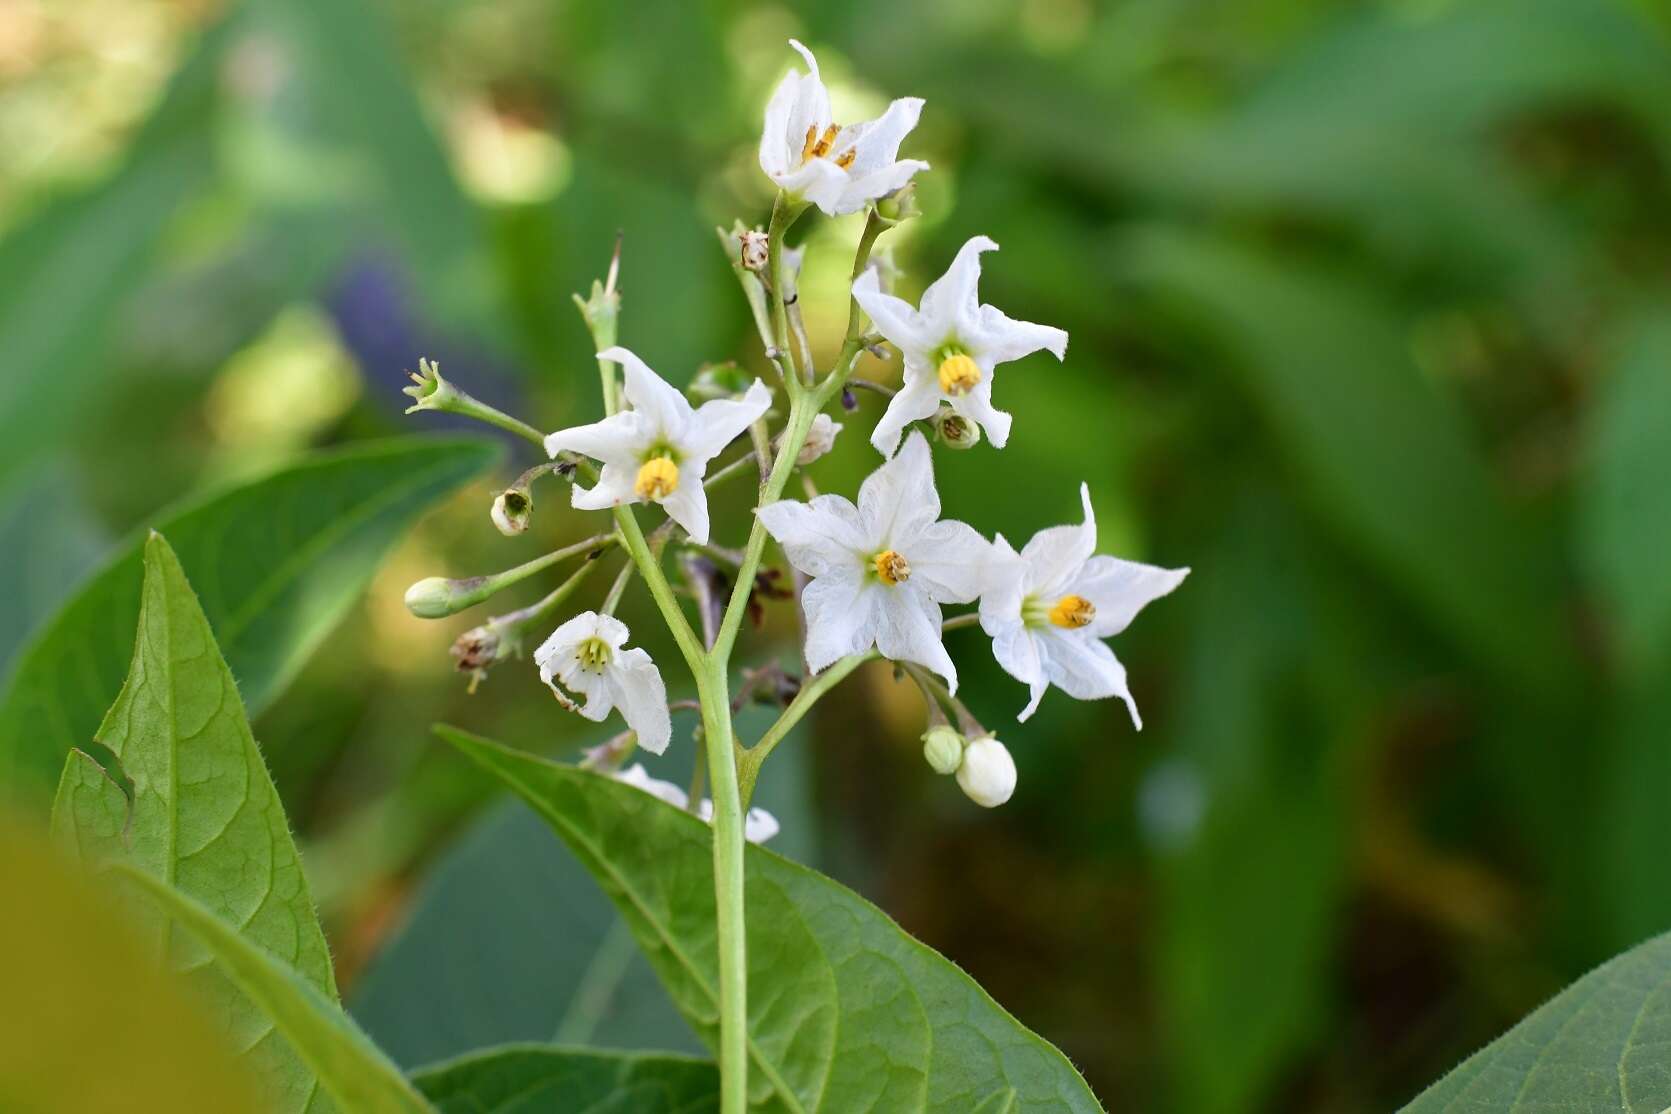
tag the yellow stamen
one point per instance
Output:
(811, 139)
(959, 374)
(892, 567)
(657, 479)
(1073, 611)
(817, 146)
(845, 159)
(593, 654)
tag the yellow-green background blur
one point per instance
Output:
(1370, 325)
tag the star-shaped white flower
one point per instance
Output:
(881, 570)
(659, 450)
(758, 824)
(839, 169)
(1048, 608)
(586, 656)
(951, 345)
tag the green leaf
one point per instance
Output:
(470, 969)
(359, 1077)
(1598, 1045)
(199, 813)
(276, 561)
(1385, 455)
(66, 275)
(1627, 503)
(536, 1079)
(847, 1012)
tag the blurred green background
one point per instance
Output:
(1371, 326)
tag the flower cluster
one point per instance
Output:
(875, 575)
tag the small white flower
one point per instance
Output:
(951, 346)
(1048, 608)
(758, 825)
(820, 439)
(987, 775)
(587, 657)
(881, 570)
(659, 450)
(839, 169)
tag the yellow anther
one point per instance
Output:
(892, 567)
(593, 654)
(959, 374)
(817, 146)
(1073, 611)
(657, 479)
(845, 159)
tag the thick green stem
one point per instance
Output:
(783, 215)
(712, 687)
(649, 567)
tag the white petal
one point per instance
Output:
(1119, 589)
(1017, 653)
(874, 144)
(820, 536)
(611, 630)
(638, 777)
(1002, 339)
(688, 506)
(953, 300)
(1055, 556)
(563, 641)
(664, 409)
(758, 824)
(895, 318)
(820, 182)
(907, 625)
(637, 687)
(1003, 584)
(1084, 668)
(615, 488)
(775, 152)
(861, 191)
(898, 499)
(976, 405)
(619, 437)
(987, 775)
(839, 615)
(919, 398)
(721, 421)
(948, 560)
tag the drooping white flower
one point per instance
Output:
(586, 656)
(758, 825)
(951, 345)
(659, 450)
(987, 775)
(839, 169)
(881, 570)
(1048, 608)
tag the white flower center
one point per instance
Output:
(593, 654)
(658, 478)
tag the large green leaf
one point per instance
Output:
(536, 1079)
(276, 562)
(359, 1077)
(847, 1012)
(196, 809)
(1598, 1045)
(66, 275)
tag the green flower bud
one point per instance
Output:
(898, 206)
(435, 597)
(943, 748)
(954, 430)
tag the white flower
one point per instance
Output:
(586, 656)
(758, 825)
(659, 450)
(839, 169)
(951, 346)
(882, 569)
(987, 775)
(820, 439)
(1048, 608)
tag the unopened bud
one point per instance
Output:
(725, 380)
(752, 250)
(431, 598)
(512, 510)
(943, 748)
(954, 430)
(820, 439)
(987, 775)
(900, 205)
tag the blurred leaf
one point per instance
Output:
(66, 275)
(1627, 502)
(1598, 1045)
(510, 940)
(535, 1079)
(51, 542)
(90, 1023)
(357, 1075)
(846, 1011)
(1250, 815)
(1385, 456)
(276, 563)
(199, 812)
(1631, 890)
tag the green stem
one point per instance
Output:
(712, 688)
(783, 215)
(811, 692)
(465, 592)
(649, 567)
